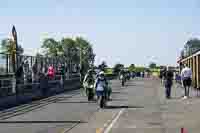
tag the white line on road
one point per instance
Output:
(107, 130)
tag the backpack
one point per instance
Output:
(98, 80)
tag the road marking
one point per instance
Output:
(65, 130)
(107, 130)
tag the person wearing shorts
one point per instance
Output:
(186, 76)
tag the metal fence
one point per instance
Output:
(31, 66)
(28, 62)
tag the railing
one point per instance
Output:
(31, 66)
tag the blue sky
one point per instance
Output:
(128, 31)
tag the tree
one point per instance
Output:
(8, 47)
(51, 46)
(117, 68)
(132, 67)
(140, 69)
(152, 65)
(38, 55)
(87, 54)
(192, 46)
(182, 54)
(71, 50)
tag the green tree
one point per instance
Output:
(192, 46)
(117, 68)
(182, 54)
(52, 47)
(70, 49)
(140, 69)
(152, 65)
(87, 54)
(8, 47)
(131, 67)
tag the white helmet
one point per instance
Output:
(101, 73)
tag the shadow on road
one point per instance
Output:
(115, 99)
(118, 92)
(75, 102)
(131, 85)
(123, 106)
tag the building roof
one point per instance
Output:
(195, 54)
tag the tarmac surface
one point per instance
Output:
(139, 107)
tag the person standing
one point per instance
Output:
(51, 72)
(186, 76)
(34, 72)
(162, 75)
(43, 80)
(168, 77)
(101, 85)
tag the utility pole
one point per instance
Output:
(14, 58)
(80, 50)
(14, 34)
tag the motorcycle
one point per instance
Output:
(128, 77)
(90, 93)
(123, 81)
(89, 89)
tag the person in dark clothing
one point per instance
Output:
(43, 79)
(168, 77)
(163, 75)
(34, 72)
(19, 74)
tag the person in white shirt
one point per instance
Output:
(186, 76)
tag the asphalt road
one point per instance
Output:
(139, 107)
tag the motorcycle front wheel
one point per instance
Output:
(90, 94)
(122, 83)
